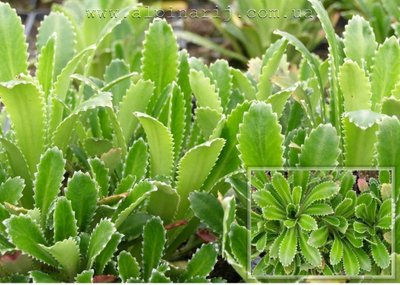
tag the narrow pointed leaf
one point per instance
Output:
(101, 236)
(64, 220)
(201, 203)
(153, 246)
(202, 262)
(127, 266)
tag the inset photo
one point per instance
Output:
(321, 223)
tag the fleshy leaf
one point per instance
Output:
(380, 254)
(64, 220)
(193, 169)
(99, 239)
(67, 254)
(101, 175)
(153, 246)
(202, 262)
(336, 253)
(238, 237)
(205, 93)
(319, 237)
(128, 267)
(82, 193)
(323, 191)
(350, 261)
(288, 247)
(260, 139)
(45, 65)
(108, 252)
(11, 190)
(311, 254)
(137, 160)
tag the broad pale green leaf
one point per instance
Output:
(59, 24)
(177, 121)
(46, 64)
(153, 246)
(193, 170)
(229, 207)
(345, 208)
(61, 86)
(202, 262)
(355, 86)
(228, 160)
(311, 254)
(323, 191)
(318, 209)
(21, 98)
(85, 276)
(319, 237)
(357, 154)
(158, 277)
(321, 147)
(82, 193)
(274, 54)
(163, 202)
(221, 74)
(13, 54)
(11, 190)
(391, 107)
(336, 253)
(67, 254)
(273, 213)
(26, 235)
(386, 71)
(108, 252)
(379, 253)
(99, 239)
(136, 161)
(207, 119)
(161, 145)
(239, 244)
(208, 209)
(61, 135)
(64, 220)
(307, 223)
(260, 139)
(282, 187)
(387, 147)
(264, 199)
(101, 175)
(48, 180)
(350, 261)
(136, 99)
(359, 41)
(278, 101)
(117, 69)
(243, 84)
(160, 55)
(363, 258)
(41, 277)
(288, 247)
(128, 267)
(204, 91)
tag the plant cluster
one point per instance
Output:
(129, 162)
(321, 227)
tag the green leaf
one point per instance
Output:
(108, 252)
(379, 253)
(355, 86)
(136, 99)
(273, 213)
(336, 253)
(307, 223)
(387, 147)
(160, 55)
(127, 266)
(288, 247)
(177, 121)
(311, 254)
(163, 202)
(21, 98)
(64, 220)
(208, 209)
(318, 238)
(272, 60)
(239, 243)
(260, 139)
(318, 209)
(363, 258)
(67, 254)
(264, 198)
(359, 41)
(26, 235)
(101, 175)
(386, 71)
(101, 236)
(357, 154)
(323, 191)
(161, 145)
(153, 246)
(345, 208)
(208, 120)
(158, 277)
(82, 193)
(59, 24)
(85, 276)
(45, 65)
(202, 262)
(193, 169)
(278, 101)
(243, 84)
(13, 54)
(48, 180)
(321, 147)
(221, 74)
(282, 187)
(137, 160)
(115, 70)
(350, 261)
(205, 93)
(11, 190)
(41, 277)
